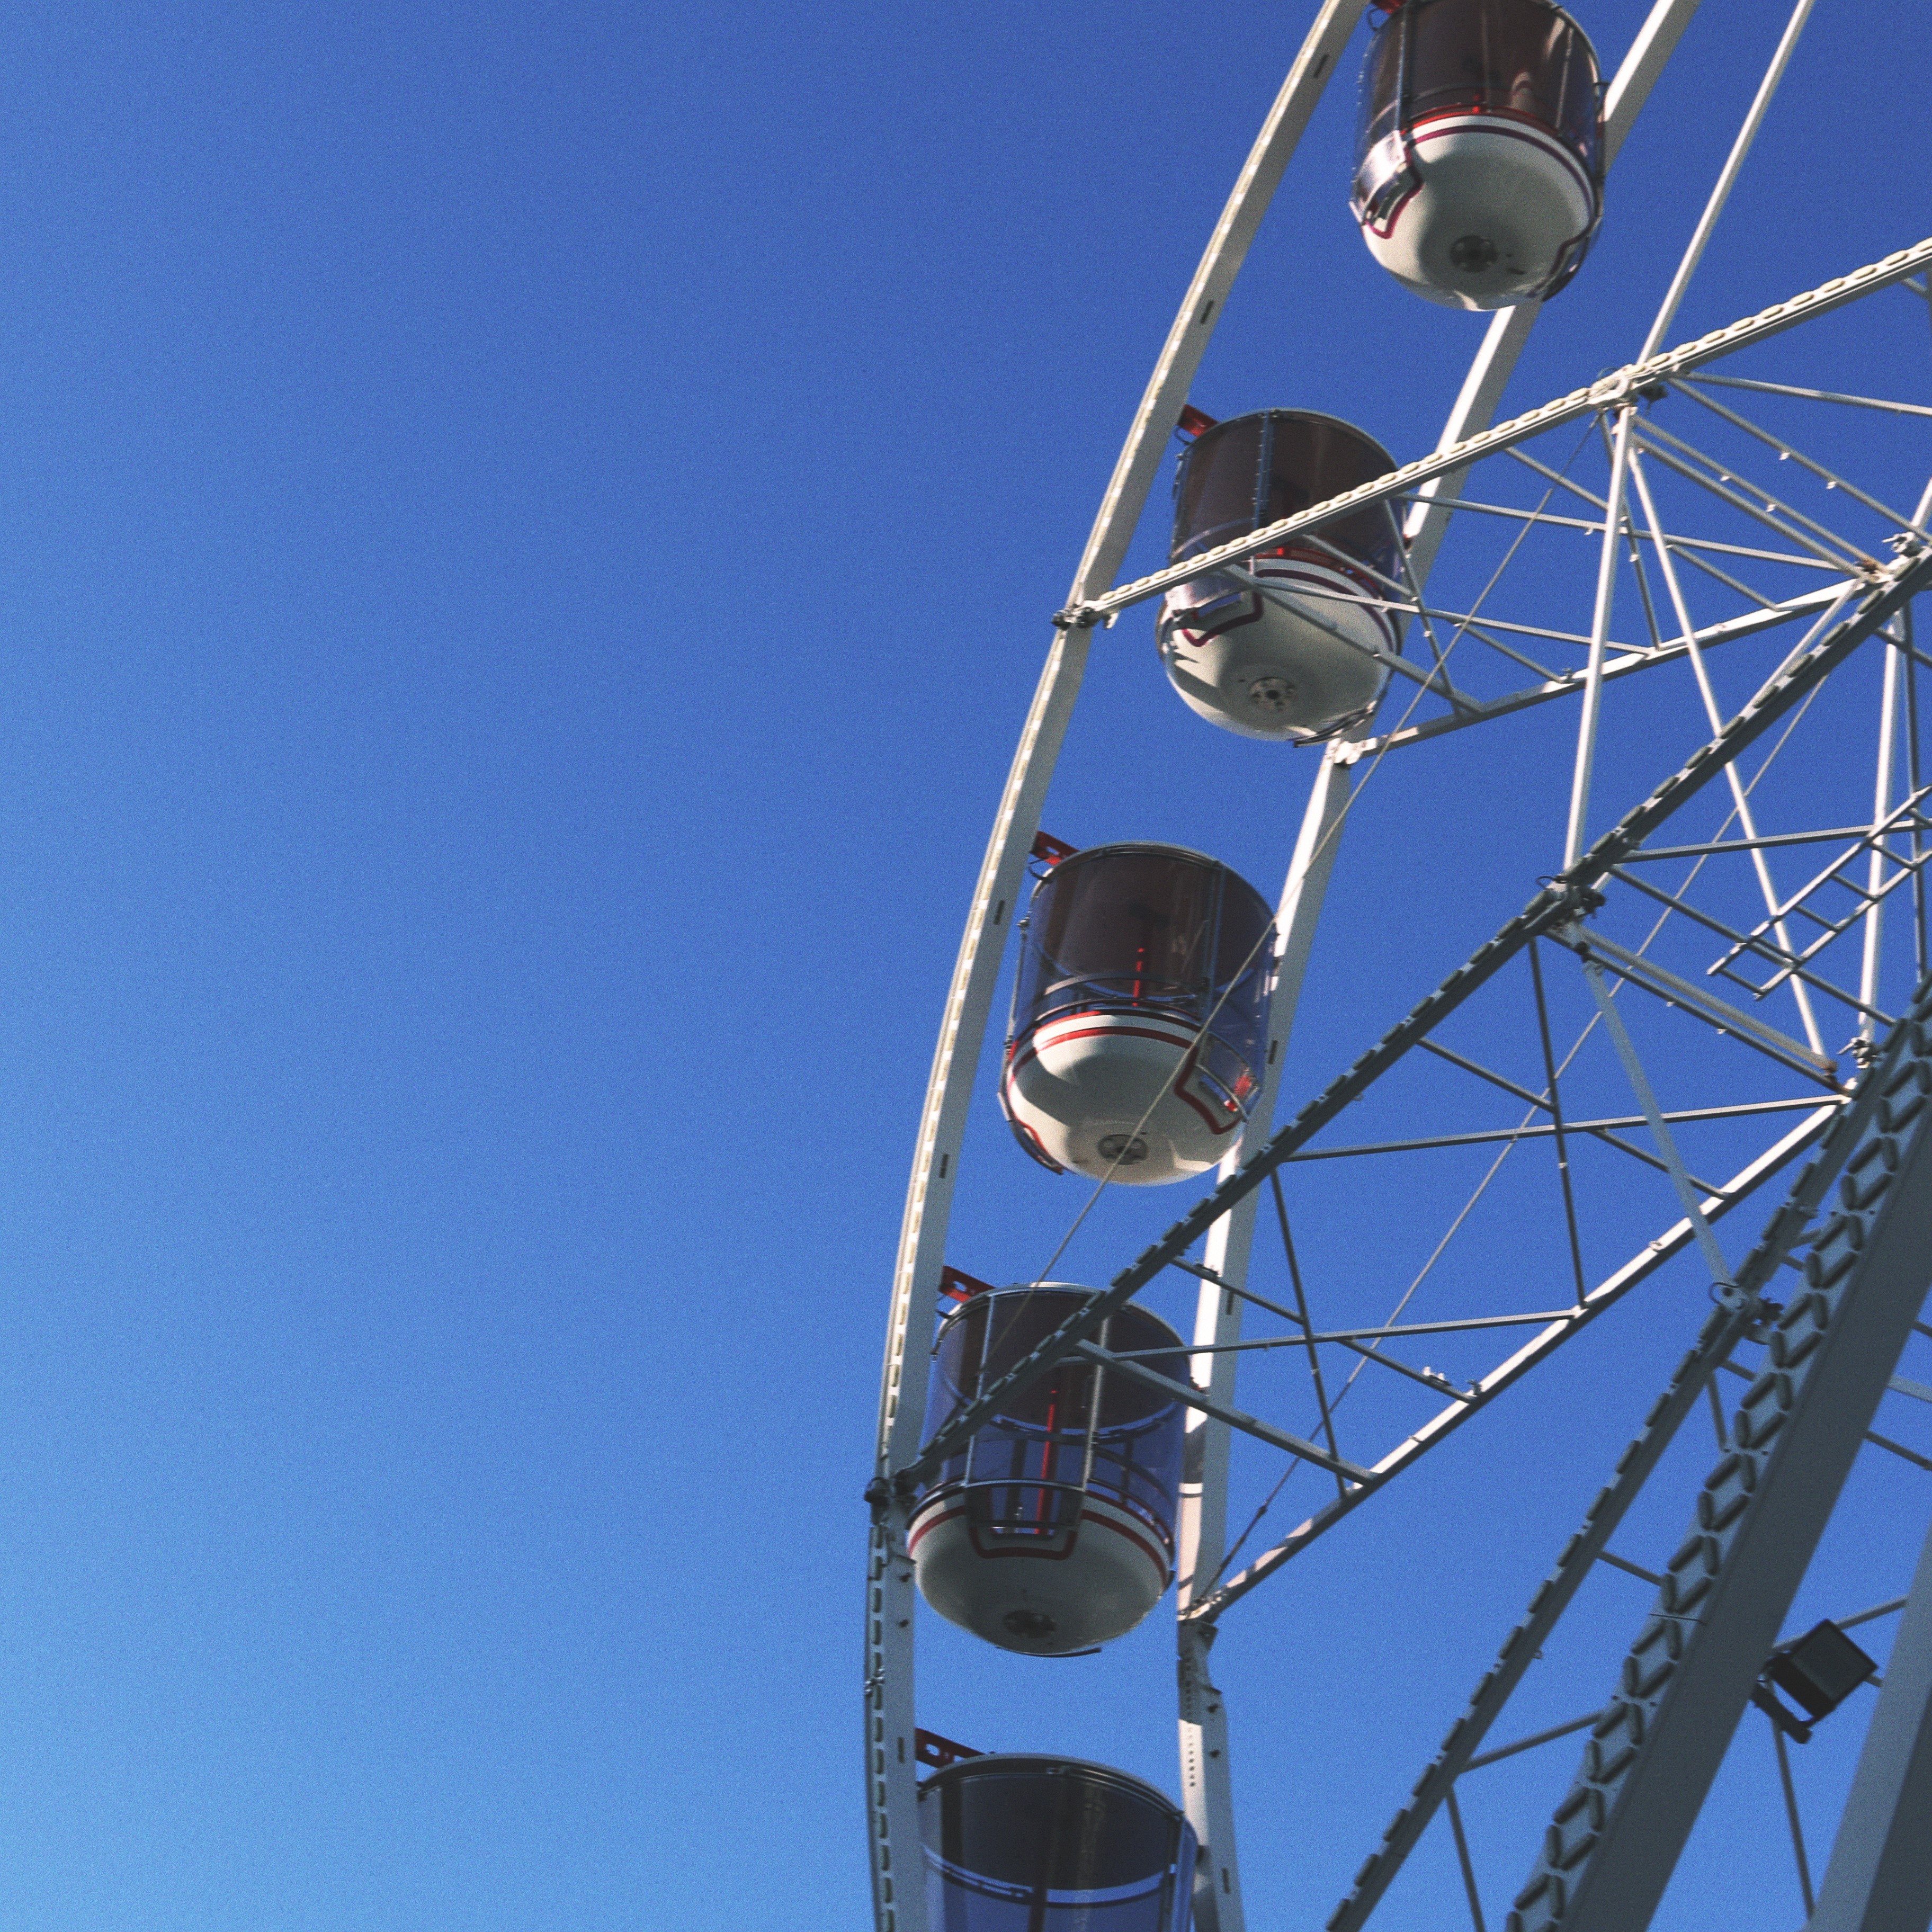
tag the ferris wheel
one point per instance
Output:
(1694, 1046)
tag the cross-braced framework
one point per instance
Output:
(1715, 1003)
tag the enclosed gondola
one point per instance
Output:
(1135, 1049)
(1293, 654)
(1017, 1843)
(1051, 1529)
(1479, 154)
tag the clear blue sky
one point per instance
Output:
(525, 534)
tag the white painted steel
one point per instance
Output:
(1625, 664)
(1638, 72)
(891, 1764)
(1693, 253)
(1887, 742)
(1740, 802)
(1688, 1676)
(897, 1892)
(1801, 674)
(1093, 1584)
(1607, 392)
(1880, 1878)
(1264, 669)
(1731, 1018)
(1666, 1144)
(1206, 1768)
(1207, 1786)
(1599, 631)
(1201, 307)
(1119, 1097)
(1741, 1188)
(1437, 1786)
(892, 1787)
(1517, 192)
(1428, 521)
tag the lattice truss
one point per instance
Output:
(1622, 1083)
(1778, 916)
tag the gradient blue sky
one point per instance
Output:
(525, 534)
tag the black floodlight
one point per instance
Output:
(1819, 1672)
(1821, 1669)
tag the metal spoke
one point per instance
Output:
(1672, 1242)
(1312, 1341)
(1719, 849)
(1249, 1425)
(1819, 395)
(1915, 779)
(1790, 966)
(1462, 1858)
(1564, 1850)
(1683, 1681)
(1884, 1609)
(1606, 392)
(1791, 450)
(1598, 1129)
(1744, 589)
(1667, 1145)
(1791, 1814)
(1803, 672)
(1676, 991)
(1855, 593)
(1415, 591)
(1439, 1384)
(1715, 717)
(1727, 177)
(1725, 484)
(1877, 891)
(1556, 1119)
(1676, 539)
(1718, 1424)
(1550, 1736)
(1307, 1323)
(1629, 1568)
(1427, 523)
(1749, 626)
(1600, 625)
(1524, 1130)
(1870, 837)
(1553, 1597)
(892, 1791)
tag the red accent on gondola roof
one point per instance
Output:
(958, 1285)
(929, 1748)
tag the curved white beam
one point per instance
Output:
(1879, 1879)
(891, 1777)
(1206, 1765)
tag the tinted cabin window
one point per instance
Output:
(1312, 459)
(1151, 928)
(1141, 917)
(1518, 57)
(1065, 1833)
(1020, 1845)
(1218, 486)
(993, 1332)
(1255, 469)
(1049, 1439)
